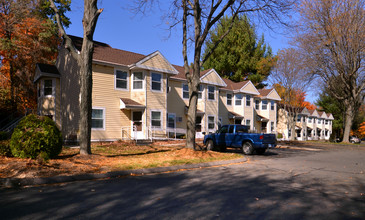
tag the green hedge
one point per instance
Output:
(36, 136)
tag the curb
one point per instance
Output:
(22, 182)
(298, 148)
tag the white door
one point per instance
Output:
(137, 131)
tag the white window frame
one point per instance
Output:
(161, 87)
(184, 91)
(257, 104)
(272, 105)
(211, 129)
(115, 80)
(249, 122)
(238, 99)
(209, 99)
(262, 104)
(248, 100)
(161, 115)
(53, 87)
(170, 114)
(201, 92)
(231, 99)
(143, 81)
(104, 119)
(272, 126)
(310, 120)
(299, 118)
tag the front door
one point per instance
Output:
(137, 125)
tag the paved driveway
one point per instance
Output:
(283, 184)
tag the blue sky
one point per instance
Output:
(119, 27)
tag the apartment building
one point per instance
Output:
(309, 124)
(138, 96)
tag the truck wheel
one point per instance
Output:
(209, 145)
(247, 148)
(260, 151)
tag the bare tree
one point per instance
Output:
(291, 79)
(332, 36)
(199, 16)
(84, 60)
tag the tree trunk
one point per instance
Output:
(191, 129)
(349, 116)
(85, 104)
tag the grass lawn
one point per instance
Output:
(109, 157)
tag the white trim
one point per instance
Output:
(213, 93)
(143, 80)
(250, 101)
(231, 99)
(272, 98)
(182, 91)
(207, 82)
(139, 64)
(161, 87)
(115, 79)
(238, 99)
(53, 88)
(262, 104)
(249, 92)
(104, 118)
(167, 124)
(214, 123)
(115, 65)
(161, 115)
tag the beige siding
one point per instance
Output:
(223, 109)
(273, 95)
(249, 88)
(106, 96)
(213, 78)
(156, 100)
(211, 109)
(70, 90)
(158, 62)
(176, 104)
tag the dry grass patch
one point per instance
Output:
(106, 158)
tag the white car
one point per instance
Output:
(355, 140)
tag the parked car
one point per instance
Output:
(354, 140)
(237, 136)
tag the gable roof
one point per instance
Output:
(269, 94)
(46, 70)
(203, 75)
(330, 116)
(313, 113)
(322, 115)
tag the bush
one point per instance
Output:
(5, 148)
(280, 135)
(36, 136)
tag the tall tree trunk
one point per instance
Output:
(349, 116)
(85, 103)
(191, 129)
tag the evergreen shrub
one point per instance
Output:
(36, 137)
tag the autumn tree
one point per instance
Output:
(27, 36)
(241, 55)
(331, 36)
(84, 61)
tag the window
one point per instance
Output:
(156, 81)
(210, 122)
(264, 105)
(238, 99)
(97, 118)
(200, 91)
(272, 126)
(248, 100)
(326, 122)
(241, 129)
(219, 122)
(309, 120)
(319, 121)
(257, 104)
(198, 123)
(171, 120)
(238, 121)
(48, 85)
(299, 118)
(121, 79)
(248, 122)
(137, 80)
(211, 95)
(156, 121)
(185, 89)
(272, 105)
(229, 99)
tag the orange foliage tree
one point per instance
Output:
(26, 38)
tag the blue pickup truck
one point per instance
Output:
(237, 136)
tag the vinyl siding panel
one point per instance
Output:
(213, 78)
(249, 88)
(158, 62)
(176, 104)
